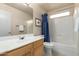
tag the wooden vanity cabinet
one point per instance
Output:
(32, 49)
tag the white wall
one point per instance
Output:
(37, 12)
(76, 33)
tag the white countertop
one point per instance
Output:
(10, 44)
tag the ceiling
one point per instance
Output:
(46, 6)
(52, 6)
(22, 7)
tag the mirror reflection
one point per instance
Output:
(15, 19)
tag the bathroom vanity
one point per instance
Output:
(27, 47)
(17, 40)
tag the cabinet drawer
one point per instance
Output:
(38, 43)
(17, 52)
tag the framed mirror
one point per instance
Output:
(15, 19)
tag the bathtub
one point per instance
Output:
(64, 49)
(60, 49)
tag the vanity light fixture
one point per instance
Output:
(25, 4)
(60, 15)
(30, 21)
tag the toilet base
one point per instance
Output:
(48, 48)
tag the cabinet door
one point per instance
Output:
(38, 43)
(29, 54)
(38, 48)
(29, 49)
(17, 52)
(39, 51)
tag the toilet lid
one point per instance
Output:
(48, 44)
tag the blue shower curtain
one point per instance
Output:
(45, 27)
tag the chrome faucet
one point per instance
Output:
(21, 37)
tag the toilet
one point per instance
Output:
(48, 47)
